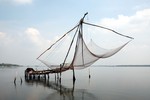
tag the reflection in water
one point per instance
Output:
(62, 92)
(107, 83)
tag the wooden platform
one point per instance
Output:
(32, 74)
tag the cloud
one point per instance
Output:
(34, 36)
(136, 26)
(22, 48)
(29, 45)
(16, 2)
(23, 1)
(2, 35)
(5, 39)
(136, 23)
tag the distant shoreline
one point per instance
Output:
(121, 65)
(8, 65)
(16, 65)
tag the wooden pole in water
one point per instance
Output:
(60, 72)
(21, 81)
(48, 76)
(89, 74)
(55, 77)
(38, 76)
(74, 76)
(15, 80)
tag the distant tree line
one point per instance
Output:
(8, 65)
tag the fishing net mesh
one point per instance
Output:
(75, 53)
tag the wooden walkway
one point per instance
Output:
(32, 74)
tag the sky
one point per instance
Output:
(27, 27)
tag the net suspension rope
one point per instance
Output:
(108, 29)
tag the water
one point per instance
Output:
(106, 83)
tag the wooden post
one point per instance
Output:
(60, 72)
(89, 74)
(74, 76)
(15, 80)
(30, 76)
(48, 76)
(39, 77)
(73, 87)
(44, 76)
(55, 77)
(20, 81)
(33, 76)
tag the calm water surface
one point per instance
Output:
(106, 83)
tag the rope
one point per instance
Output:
(58, 40)
(108, 29)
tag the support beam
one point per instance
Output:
(74, 76)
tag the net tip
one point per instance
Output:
(86, 13)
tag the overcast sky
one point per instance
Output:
(27, 27)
